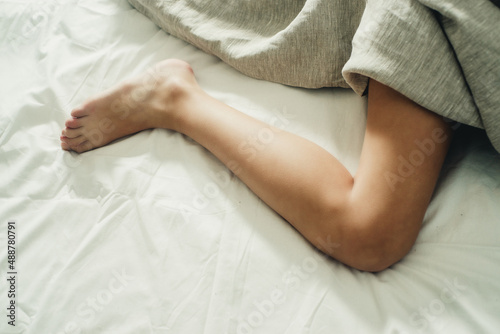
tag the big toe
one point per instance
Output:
(79, 112)
(73, 123)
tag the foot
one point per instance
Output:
(150, 100)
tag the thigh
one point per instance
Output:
(403, 152)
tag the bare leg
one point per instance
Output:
(368, 221)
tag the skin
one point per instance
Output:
(368, 221)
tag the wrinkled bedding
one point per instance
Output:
(152, 234)
(444, 55)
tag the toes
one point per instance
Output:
(71, 133)
(79, 144)
(73, 123)
(73, 142)
(65, 146)
(83, 147)
(79, 112)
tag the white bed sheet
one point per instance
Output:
(152, 234)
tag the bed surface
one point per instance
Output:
(152, 234)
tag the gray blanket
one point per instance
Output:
(443, 54)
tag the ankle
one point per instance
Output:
(186, 103)
(174, 92)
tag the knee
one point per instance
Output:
(374, 245)
(380, 243)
